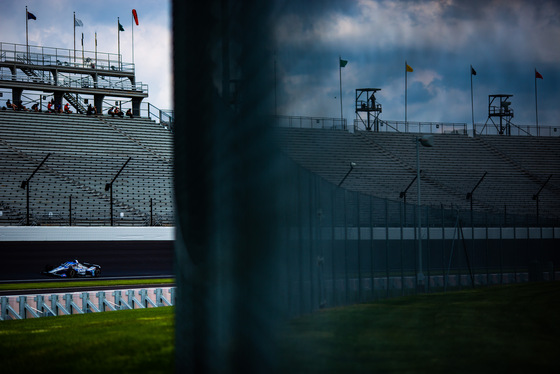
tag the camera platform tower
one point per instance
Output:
(366, 103)
(500, 110)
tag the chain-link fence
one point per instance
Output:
(343, 247)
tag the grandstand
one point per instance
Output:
(85, 152)
(385, 164)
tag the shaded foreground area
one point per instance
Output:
(499, 329)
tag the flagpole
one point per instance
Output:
(340, 79)
(132, 30)
(27, 33)
(405, 94)
(119, 42)
(96, 49)
(82, 49)
(472, 101)
(536, 104)
(74, 38)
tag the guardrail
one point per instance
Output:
(48, 305)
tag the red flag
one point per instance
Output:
(538, 75)
(135, 15)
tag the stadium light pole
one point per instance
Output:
(426, 141)
(352, 164)
(403, 194)
(109, 187)
(470, 197)
(25, 184)
(536, 196)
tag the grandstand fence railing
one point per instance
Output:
(50, 56)
(310, 122)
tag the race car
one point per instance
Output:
(74, 268)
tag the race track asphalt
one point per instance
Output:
(26, 259)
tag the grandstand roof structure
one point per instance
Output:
(66, 75)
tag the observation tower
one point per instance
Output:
(366, 103)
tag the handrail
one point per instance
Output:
(51, 56)
(85, 81)
(416, 127)
(310, 122)
(165, 117)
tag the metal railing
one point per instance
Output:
(165, 117)
(416, 127)
(516, 130)
(50, 305)
(49, 56)
(79, 81)
(310, 122)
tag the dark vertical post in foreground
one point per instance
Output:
(225, 190)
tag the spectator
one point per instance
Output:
(50, 107)
(118, 112)
(20, 106)
(90, 110)
(129, 113)
(10, 105)
(111, 111)
(67, 108)
(35, 107)
(58, 108)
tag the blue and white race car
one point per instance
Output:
(74, 268)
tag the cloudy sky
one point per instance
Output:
(54, 28)
(504, 40)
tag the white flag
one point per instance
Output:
(78, 22)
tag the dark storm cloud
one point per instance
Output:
(504, 40)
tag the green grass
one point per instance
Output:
(488, 330)
(83, 283)
(128, 341)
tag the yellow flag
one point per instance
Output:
(409, 69)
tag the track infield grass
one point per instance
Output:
(514, 329)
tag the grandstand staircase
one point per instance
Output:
(76, 102)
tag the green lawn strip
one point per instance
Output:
(497, 329)
(84, 283)
(127, 341)
(487, 330)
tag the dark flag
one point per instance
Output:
(31, 16)
(538, 75)
(473, 72)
